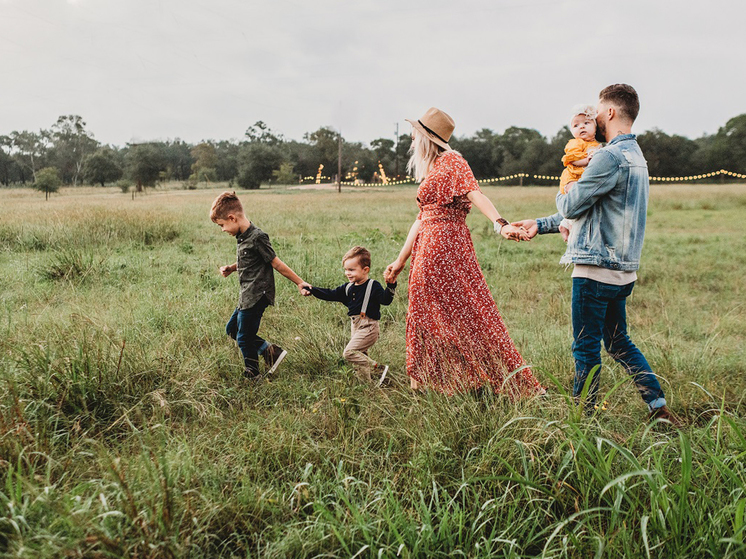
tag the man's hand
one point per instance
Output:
(226, 271)
(392, 271)
(565, 232)
(304, 288)
(513, 233)
(529, 225)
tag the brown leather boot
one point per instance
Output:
(665, 414)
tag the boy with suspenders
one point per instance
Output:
(363, 298)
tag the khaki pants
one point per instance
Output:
(365, 332)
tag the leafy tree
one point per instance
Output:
(285, 174)
(256, 161)
(259, 132)
(30, 150)
(301, 155)
(205, 162)
(667, 155)
(479, 151)
(383, 148)
(102, 166)
(325, 147)
(226, 153)
(72, 143)
(178, 160)
(145, 163)
(552, 165)
(48, 181)
(522, 150)
(6, 160)
(401, 154)
(729, 145)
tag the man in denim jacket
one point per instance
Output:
(609, 204)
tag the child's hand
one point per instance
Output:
(565, 232)
(226, 271)
(304, 288)
(569, 185)
(392, 271)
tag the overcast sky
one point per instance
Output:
(207, 69)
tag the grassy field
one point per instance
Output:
(126, 429)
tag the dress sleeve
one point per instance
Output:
(453, 179)
(574, 150)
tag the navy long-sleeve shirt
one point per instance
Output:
(353, 297)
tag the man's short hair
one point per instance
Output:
(224, 205)
(623, 97)
(361, 253)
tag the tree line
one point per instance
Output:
(67, 153)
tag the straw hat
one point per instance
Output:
(436, 125)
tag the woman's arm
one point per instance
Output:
(486, 206)
(395, 268)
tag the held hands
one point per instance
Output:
(304, 288)
(529, 226)
(392, 271)
(515, 233)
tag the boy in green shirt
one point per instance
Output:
(255, 263)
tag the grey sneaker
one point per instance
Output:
(273, 356)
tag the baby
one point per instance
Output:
(578, 151)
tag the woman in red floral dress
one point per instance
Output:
(456, 339)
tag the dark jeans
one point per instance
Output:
(599, 310)
(243, 327)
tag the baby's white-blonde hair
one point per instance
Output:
(587, 110)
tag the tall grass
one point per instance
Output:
(126, 429)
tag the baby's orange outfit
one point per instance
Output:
(575, 150)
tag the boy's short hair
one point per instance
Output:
(224, 205)
(624, 97)
(361, 253)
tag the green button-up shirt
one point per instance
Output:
(254, 255)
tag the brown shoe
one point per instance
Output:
(663, 413)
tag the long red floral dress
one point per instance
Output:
(456, 338)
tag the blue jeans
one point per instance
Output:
(599, 310)
(243, 327)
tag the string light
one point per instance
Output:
(698, 177)
(409, 180)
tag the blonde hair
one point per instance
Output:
(424, 152)
(224, 205)
(361, 253)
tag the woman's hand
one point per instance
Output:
(513, 233)
(393, 270)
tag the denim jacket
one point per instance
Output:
(609, 205)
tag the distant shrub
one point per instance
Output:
(124, 185)
(48, 180)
